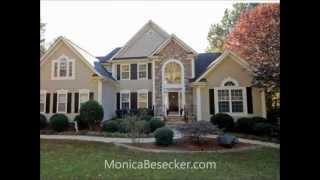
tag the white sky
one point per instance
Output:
(100, 26)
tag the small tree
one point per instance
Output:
(197, 130)
(136, 128)
(91, 112)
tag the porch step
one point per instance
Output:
(175, 120)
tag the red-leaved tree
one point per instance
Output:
(256, 38)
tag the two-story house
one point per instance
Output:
(153, 70)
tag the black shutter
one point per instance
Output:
(48, 103)
(118, 72)
(54, 103)
(133, 69)
(149, 70)
(76, 102)
(91, 96)
(69, 101)
(133, 100)
(150, 100)
(249, 100)
(118, 101)
(211, 101)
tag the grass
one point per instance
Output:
(64, 159)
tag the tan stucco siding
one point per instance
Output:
(83, 76)
(228, 68)
(134, 85)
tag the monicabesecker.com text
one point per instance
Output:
(147, 164)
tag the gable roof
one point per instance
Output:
(107, 57)
(160, 35)
(202, 61)
(99, 67)
(173, 37)
(222, 57)
(83, 55)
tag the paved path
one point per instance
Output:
(142, 140)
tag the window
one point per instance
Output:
(62, 101)
(63, 68)
(125, 100)
(142, 69)
(125, 71)
(83, 96)
(231, 97)
(173, 73)
(42, 101)
(143, 99)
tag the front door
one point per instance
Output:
(173, 102)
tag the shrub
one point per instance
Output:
(197, 129)
(155, 124)
(91, 112)
(227, 140)
(245, 124)
(81, 124)
(121, 113)
(223, 121)
(262, 128)
(259, 119)
(43, 121)
(123, 125)
(133, 112)
(146, 128)
(146, 118)
(273, 115)
(59, 122)
(110, 126)
(164, 136)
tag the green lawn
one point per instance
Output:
(85, 160)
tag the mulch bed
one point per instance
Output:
(187, 144)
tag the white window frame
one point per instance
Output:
(44, 92)
(83, 91)
(62, 91)
(129, 77)
(144, 78)
(143, 91)
(129, 100)
(67, 77)
(230, 88)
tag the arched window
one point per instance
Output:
(229, 83)
(63, 68)
(173, 73)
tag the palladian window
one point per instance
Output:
(173, 73)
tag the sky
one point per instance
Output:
(100, 26)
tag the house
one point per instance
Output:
(154, 70)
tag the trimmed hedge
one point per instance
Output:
(164, 136)
(43, 121)
(59, 122)
(262, 128)
(110, 126)
(245, 124)
(82, 125)
(155, 124)
(223, 121)
(91, 112)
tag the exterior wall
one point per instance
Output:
(108, 100)
(83, 79)
(144, 46)
(173, 51)
(229, 68)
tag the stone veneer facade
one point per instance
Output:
(173, 51)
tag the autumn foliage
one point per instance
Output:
(256, 38)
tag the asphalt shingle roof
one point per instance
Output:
(107, 57)
(202, 61)
(100, 69)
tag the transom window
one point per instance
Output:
(142, 69)
(173, 73)
(83, 96)
(125, 100)
(63, 68)
(125, 71)
(143, 99)
(42, 101)
(62, 101)
(230, 98)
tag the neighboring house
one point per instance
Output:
(154, 70)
